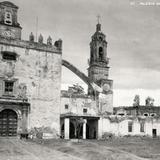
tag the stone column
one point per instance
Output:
(66, 128)
(24, 119)
(84, 129)
(100, 128)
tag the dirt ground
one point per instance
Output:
(128, 148)
(15, 149)
(141, 146)
(131, 148)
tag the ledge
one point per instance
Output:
(73, 115)
(13, 101)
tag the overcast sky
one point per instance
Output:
(132, 32)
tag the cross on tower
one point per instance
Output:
(98, 18)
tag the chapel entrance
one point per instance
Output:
(8, 123)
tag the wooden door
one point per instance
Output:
(8, 123)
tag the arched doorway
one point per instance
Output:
(79, 131)
(87, 131)
(62, 131)
(8, 123)
(72, 131)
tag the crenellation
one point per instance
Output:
(31, 45)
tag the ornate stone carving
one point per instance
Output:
(22, 91)
(9, 70)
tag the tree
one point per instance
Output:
(76, 89)
(136, 101)
(149, 101)
(78, 125)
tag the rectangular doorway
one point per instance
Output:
(154, 133)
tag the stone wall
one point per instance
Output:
(119, 126)
(39, 68)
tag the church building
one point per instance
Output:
(30, 77)
(30, 83)
(99, 100)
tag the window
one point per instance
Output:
(146, 114)
(66, 106)
(8, 87)
(8, 18)
(121, 114)
(84, 110)
(100, 53)
(9, 55)
(100, 38)
(130, 126)
(142, 127)
(153, 114)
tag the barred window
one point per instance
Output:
(9, 87)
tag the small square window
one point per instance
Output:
(66, 106)
(8, 87)
(84, 110)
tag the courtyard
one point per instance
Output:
(126, 148)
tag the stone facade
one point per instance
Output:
(30, 75)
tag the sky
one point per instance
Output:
(132, 29)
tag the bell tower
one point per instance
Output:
(98, 70)
(9, 26)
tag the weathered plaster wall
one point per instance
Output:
(41, 72)
(120, 127)
(76, 105)
(106, 102)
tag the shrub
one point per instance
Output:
(107, 135)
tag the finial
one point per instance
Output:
(40, 39)
(58, 44)
(98, 26)
(49, 41)
(31, 37)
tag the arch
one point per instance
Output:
(146, 114)
(18, 112)
(62, 130)
(77, 72)
(100, 51)
(72, 130)
(81, 76)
